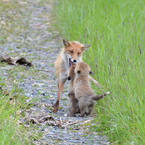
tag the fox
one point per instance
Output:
(82, 89)
(71, 53)
(73, 101)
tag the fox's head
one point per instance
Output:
(82, 69)
(74, 50)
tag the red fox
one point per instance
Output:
(71, 53)
(82, 90)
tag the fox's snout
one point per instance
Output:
(74, 60)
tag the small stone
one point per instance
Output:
(34, 93)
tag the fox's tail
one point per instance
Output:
(98, 97)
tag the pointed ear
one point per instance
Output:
(85, 47)
(66, 43)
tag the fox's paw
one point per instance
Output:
(55, 110)
(56, 107)
(71, 115)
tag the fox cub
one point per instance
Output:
(73, 101)
(82, 90)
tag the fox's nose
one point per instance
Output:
(74, 60)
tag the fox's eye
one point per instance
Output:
(71, 51)
(78, 53)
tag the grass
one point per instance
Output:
(11, 132)
(14, 23)
(116, 31)
(13, 105)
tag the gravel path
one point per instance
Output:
(25, 27)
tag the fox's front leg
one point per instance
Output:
(60, 91)
(95, 82)
(61, 82)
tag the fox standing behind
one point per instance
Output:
(82, 90)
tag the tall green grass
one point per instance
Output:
(11, 132)
(116, 31)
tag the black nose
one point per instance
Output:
(74, 60)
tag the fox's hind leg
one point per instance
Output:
(82, 109)
(74, 104)
(72, 107)
(90, 107)
(95, 82)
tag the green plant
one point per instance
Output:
(11, 132)
(115, 30)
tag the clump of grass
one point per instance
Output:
(11, 132)
(116, 31)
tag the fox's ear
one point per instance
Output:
(85, 47)
(66, 43)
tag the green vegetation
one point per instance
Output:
(12, 101)
(11, 133)
(116, 31)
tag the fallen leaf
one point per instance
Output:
(21, 61)
(7, 59)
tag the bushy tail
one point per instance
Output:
(98, 97)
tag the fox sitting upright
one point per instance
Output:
(82, 89)
(71, 53)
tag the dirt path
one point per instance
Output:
(26, 31)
